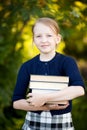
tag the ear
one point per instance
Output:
(58, 38)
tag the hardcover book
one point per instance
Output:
(48, 84)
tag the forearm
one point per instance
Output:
(24, 105)
(66, 94)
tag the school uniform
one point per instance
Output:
(60, 65)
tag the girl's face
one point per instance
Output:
(45, 38)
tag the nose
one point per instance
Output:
(44, 39)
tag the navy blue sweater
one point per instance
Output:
(60, 65)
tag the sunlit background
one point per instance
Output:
(16, 46)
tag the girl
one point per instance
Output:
(39, 115)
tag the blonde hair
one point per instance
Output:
(48, 22)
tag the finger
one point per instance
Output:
(62, 107)
(28, 101)
(29, 98)
(29, 95)
(53, 106)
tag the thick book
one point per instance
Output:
(48, 84)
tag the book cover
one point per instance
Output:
(48, 84)
(49, 78)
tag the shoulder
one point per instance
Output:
(31, 61)
(68, 64)
(27, 64)
(65, 58)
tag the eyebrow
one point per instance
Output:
(42, 33)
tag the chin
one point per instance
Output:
(46, 52)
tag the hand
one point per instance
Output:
(57, 107)
(36, 100)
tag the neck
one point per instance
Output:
(47, 57)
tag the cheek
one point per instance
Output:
(35, 40)
(54, 41)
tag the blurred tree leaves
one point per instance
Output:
(16, 20)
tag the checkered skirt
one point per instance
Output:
(46, 121)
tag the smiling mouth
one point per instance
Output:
(44, 45)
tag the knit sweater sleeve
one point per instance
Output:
(71, 69)
(22, 83)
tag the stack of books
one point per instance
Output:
(48, 84)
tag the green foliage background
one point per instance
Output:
(16, 20)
